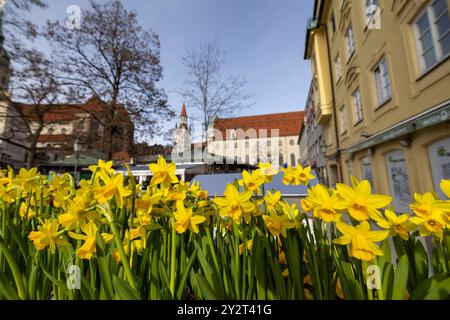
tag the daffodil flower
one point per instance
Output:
(291, 211)
(27, 180)
(397, 225)
(326, 207)
(48, 236)
(113, 188)
(235, 204)
(185, 219)
(104, 168)
(362, 240)
(267, 171)
(272, 199)
(360, 202)
(163, 173)
(87, 250)
(253, 180)
(278, 224)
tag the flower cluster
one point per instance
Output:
(111, 216)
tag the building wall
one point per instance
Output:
(414, 90)
(269, 150)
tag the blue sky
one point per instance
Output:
(263, 41)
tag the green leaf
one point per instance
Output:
(435, 288)
(387, 280)
(124, 291)
(163, 274)
(6, 289)
(400, 279)
(207, 290)
(421, 262)
(182, 286)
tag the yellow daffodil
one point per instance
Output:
(430, 223)
(77, 214)
(278, 224)
(272, 199)
(104, 168)
(196, 190)
(306, 204)
(326, 207)
(7, 194)
(6, 177)
(136, 245)
(297, 176)
(397, 225)
(26, 211)
(267, 171)
(235, 204)
(185, 219)
(247, 245)
(360, 202)
(48, 236)
(445, 187)
(27, 180)
(58, 182)
(113, 188)
(362, 240)
(290, 176)
(291, 211)
(253, 180)
(87, 250)
(163, 173)
(304, 174)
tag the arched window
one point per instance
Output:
(293, 162)
(398, 179)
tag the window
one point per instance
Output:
(432, 30)
(333, 24)
(292, 142)
(350, 42)
(367, 171)
(398, 180)
(383, 82)
(293, 162)
(63, 131)
(337, 64)
(51, 131)
(370, 4)
(343, 120)
(280, 159)
(357, 106)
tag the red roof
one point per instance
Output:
(55, 138)
(288, 124)
(68, 112)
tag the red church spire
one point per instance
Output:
(183, 117)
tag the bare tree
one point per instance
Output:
(112, 57)
(35, 93)
(207, 90)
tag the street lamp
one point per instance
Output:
(76, 149)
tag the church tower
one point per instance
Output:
(183, 134)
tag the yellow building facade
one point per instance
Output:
(382, 73)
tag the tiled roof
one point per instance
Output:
(288, 123)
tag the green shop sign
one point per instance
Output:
(427, 120)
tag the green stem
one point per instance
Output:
(173, 261)
(123, 256)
